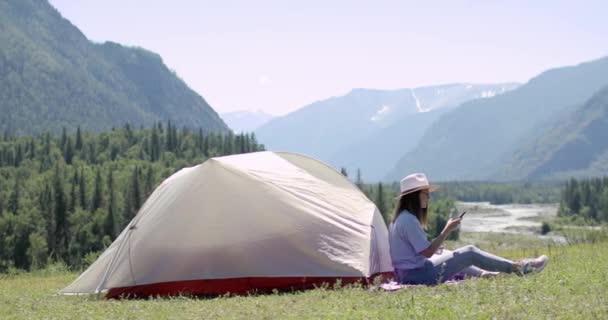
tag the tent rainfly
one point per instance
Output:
(235, 224)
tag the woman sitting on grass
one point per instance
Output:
(410, 250)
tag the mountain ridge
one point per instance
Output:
(54, 77)
(325, 128)
(246, 121)
(454, 148)
(574, 145)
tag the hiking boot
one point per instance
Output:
(539, 263)
(528, 266)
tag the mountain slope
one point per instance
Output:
(378, 153)
(53, 76)
(245, 121)
(576, 144)
(325, 128)
(474, 140)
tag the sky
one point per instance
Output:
(278, 56)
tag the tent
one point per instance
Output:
(234, 224)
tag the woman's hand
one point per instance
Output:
(451, 225)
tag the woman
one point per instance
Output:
(410, 250)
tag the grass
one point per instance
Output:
(572, 286)
(523, 245)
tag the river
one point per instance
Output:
(510, 218)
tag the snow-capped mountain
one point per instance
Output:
(328, 129)
(499, 136)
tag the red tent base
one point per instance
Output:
(236, 286)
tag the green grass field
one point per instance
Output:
(574, 285)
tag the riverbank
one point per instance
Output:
(508, 218)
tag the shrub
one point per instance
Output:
(545, 228)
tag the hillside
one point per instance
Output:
(474, 140)
(52, 77)
(575, 144)
(331, 128)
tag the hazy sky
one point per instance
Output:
(278, 56)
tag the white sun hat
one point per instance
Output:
(415, 182)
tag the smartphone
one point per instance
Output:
(462, 214)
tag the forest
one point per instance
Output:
(66, 197)
(585, 199)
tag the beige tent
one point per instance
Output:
(256, 221)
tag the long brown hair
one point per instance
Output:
(411, 203)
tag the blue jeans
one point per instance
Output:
(442, 268)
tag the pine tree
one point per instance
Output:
(155, 145)
(174, 143)
(78, 139)
(92, 154)
(110, 226)
(114, 150)
(146, 149)
(97, 201)
(64, 138)
(82, 192)
(149, 181)
(45, 203)
(142, 154)
(19, 155)
(174, 136)
(61, 217)
(380, 203)
(575, 197)
(241, 143)
(136, 189)
(68, 154)
(343, 172)
(73, 193)
(179, 141)
(206, 146)
(247, 143)
(127, 214)
(46, 147)
(200, 140)
(10, 157)
(253, 140)
(31, 154)
(129, 134)
(15, 197)
(359, 181)
(169, 137)
(229, 144)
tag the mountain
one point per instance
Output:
(377, 153)
(338, 130)
(52, 76)
(575, 144)
(476, 139)
(245, 121)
